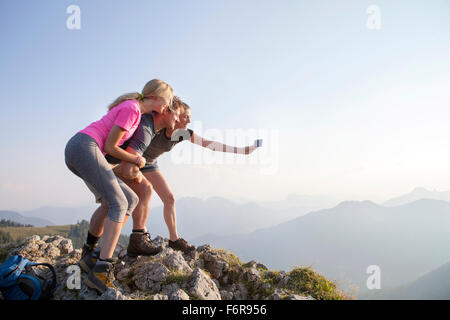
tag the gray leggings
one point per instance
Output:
(84, 158)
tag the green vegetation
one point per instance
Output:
(178, 277)
(78, 233)
(5, 237)
(14, 233)
(8, 223)
(258, 266)
(230, 258)
(305, 281)
(302, 281)
(17, 234)
(5, 228)
(3, 254)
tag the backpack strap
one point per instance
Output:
(52, 269)
(31, 286)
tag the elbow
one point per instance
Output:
(108, 149)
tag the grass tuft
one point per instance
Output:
(305, 281)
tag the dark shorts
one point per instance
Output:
(150, 167)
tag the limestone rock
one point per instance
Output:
(170, 289)
(149, 274)
(180, 294)
(226, 295)
(252, 275)
(175, 261)
(240, 292)
(123, 274)
(205, 273)
(202, 287)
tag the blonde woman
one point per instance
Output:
(84, 156)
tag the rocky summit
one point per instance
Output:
(204, 274)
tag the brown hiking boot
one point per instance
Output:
(141, 245)
(182, 245)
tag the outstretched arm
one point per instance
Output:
(218, 146)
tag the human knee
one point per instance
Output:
(132, 202)
(118, 208)
(145, 189)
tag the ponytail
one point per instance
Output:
(127, 96)
(154, 87)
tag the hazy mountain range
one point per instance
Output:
(432, 286)
(17, 217)
(194, 216)
(265, 213)
(417, 194)
(407, 236)
(406, 242)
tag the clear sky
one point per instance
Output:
(343, 109)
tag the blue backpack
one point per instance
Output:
(17, 284)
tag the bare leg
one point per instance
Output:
(163, 190)
(98, 220)
(110, 238)
(144, 192)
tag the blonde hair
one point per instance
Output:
(153, 88)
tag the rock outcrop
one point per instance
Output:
(204, 274)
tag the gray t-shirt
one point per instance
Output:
(141, 138)
(161, 143)
(150, 144)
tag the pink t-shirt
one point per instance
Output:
(126, 115)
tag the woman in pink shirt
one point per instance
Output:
(84, 155)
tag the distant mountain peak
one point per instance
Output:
(417, 194)
(420, 190)
(357, 204)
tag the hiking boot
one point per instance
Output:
(89, 260)
(182, 245)
(141, 245)
(101, 276)
(87, 249)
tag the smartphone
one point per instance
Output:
(258, 143)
